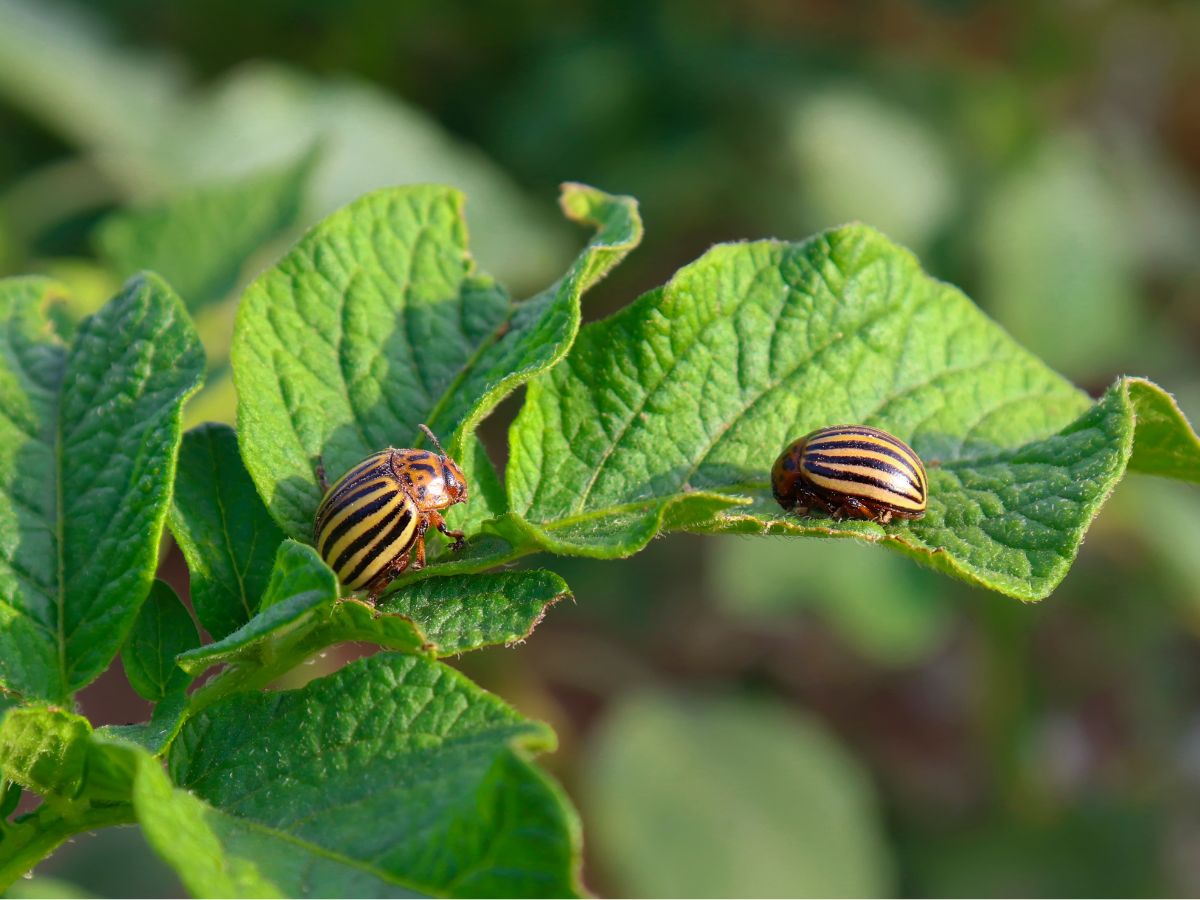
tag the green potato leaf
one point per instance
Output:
(298, 605)
(45, 750)
(678, 405)
(539, 331)
(53, 752)
(1165, 444)
(415, 777)
(162, 631)
(1012, 521)
(154, 735)
(302, 614)
(460, 613)
(88, 439)
(218, 855)
(227, 537)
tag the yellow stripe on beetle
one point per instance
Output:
(851, 470)
(371, 524)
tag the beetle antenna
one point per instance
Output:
(433, 437)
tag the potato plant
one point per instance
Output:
(396, 775)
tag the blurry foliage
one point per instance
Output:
(858, 157)
(90, 861)
(145, 135)
(890, 612)
(48, 887)
(676, 812)
(1101, 849)
(1044, 158)
(1056, 261)
(201, 239)
(171, 153)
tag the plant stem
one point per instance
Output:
(27, 843)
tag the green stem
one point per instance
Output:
(237, 679)
(27, 843)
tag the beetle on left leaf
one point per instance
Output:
(371, 524)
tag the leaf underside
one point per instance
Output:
(302, 614)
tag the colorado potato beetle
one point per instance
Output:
(851, 470)
(371, 524)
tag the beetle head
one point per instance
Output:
(453, 481)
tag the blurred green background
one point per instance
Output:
(737, 716)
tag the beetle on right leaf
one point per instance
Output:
(851, 471)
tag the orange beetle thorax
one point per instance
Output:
(436, 481)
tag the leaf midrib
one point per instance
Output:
(54, 395)
(60, 541)
(226, 536)
(464, 371)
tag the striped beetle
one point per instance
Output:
(371, 524)
(851, 470)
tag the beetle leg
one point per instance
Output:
(812, 498)
(320, 470)
(419, 544)
(384, 578)
(884, 517)
(435, 519)
(855, 508)
(830, 509)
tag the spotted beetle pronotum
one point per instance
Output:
(371, 524)
(851, 470)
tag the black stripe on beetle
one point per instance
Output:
(353, 516)
(891, 485)
(874, 446)
(878, 466)
(399, 526)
